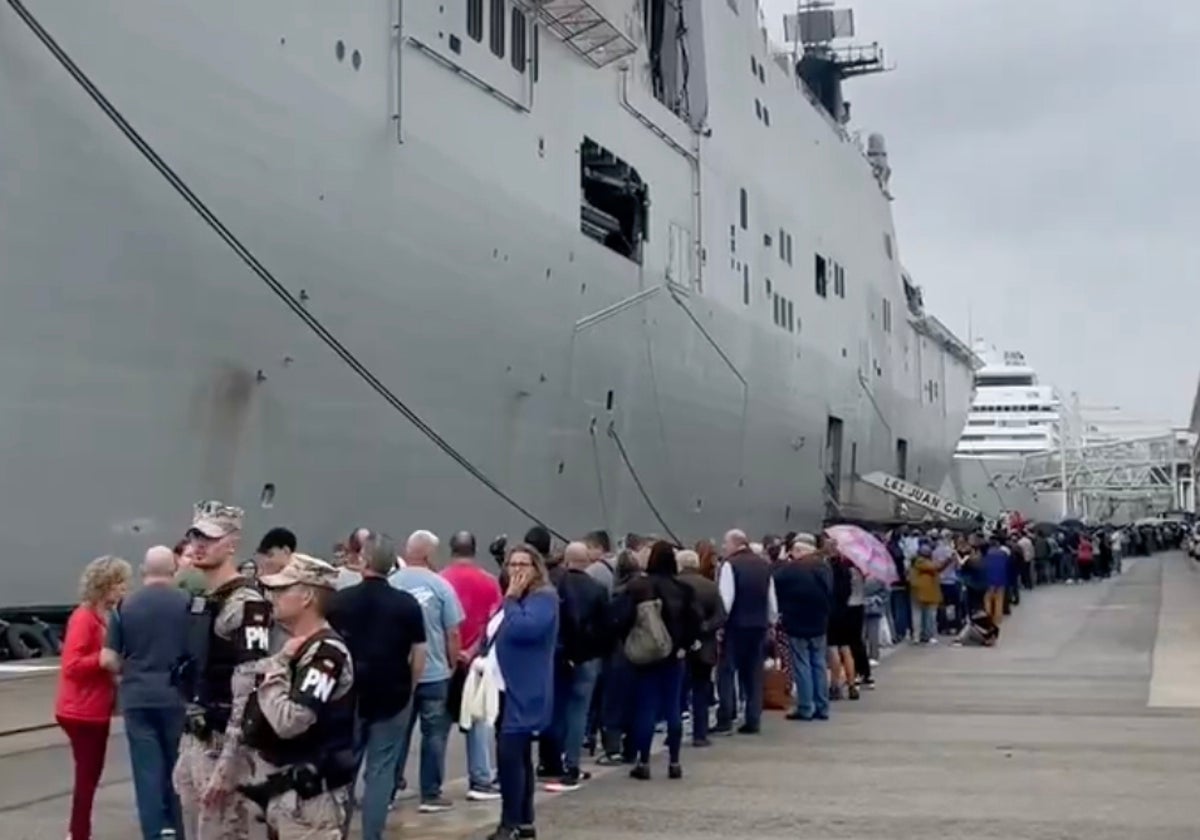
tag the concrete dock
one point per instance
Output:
(1083, 723)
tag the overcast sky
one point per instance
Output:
(1047, 181)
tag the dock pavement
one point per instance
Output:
(1083, 723)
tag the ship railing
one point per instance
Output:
(584, 29)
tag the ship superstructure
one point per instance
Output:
(1013, 417)
(442, 265)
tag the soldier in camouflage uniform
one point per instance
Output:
(300, 720)
(229, 633)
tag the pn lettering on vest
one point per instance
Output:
(317, 685)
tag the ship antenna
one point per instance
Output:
(257, 267)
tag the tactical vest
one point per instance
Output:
(216, 658)
(321, 745)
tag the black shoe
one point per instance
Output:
(853, 693)
(797, 716)
(721, 729)
(527, 832)
(702, 742)
(641, 772)
(746, 729)
(674, 771)
(504, 833)
(544, 772)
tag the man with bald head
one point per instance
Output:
(443, 615)
(479, 595)
(582, 641)
(147, 637)
(748, 593)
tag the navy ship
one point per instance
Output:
(473, 263)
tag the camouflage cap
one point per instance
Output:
(216, 519)
(310, 571)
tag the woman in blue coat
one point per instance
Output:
(524, 646)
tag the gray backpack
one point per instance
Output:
(648, 642)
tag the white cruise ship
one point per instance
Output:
(1013, 415)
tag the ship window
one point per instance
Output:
(887, 315)
(535, 52)
(767, 240)
(766, 116)
(475, 20)
(746, 285)
(496, 31)
(791, 313)
(789, 249)
(745, 210)
(758, 109)
(614, 201)
(768, 287)
(518, 40)
(822, 283)
(762, 76)
(887, 245)
(753, 67)
(775, 309)
(782, 244)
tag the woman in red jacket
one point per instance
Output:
(86, 691)
(1087, 556)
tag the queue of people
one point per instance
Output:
(281, 690)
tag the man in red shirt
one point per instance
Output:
(480, 596)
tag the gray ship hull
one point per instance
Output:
(144, 366)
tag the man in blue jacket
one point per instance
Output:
(804, 591)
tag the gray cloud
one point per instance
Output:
(1046, 193)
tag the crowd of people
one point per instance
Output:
(289, 688)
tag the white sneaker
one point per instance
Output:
(483, 794)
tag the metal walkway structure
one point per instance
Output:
(1120, 479)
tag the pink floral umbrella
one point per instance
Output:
(864, 551)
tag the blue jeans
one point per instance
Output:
(811, 676)
(700, 689)
(657, 689)
(951, 603)
(429, 705)
(480, 738)
(572, 695)
(153, 736)
(616, 704)
(927, 621)
(745, 651)
(378, 748)
(727, 698)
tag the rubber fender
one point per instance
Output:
(26, 642)
(52, 636)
